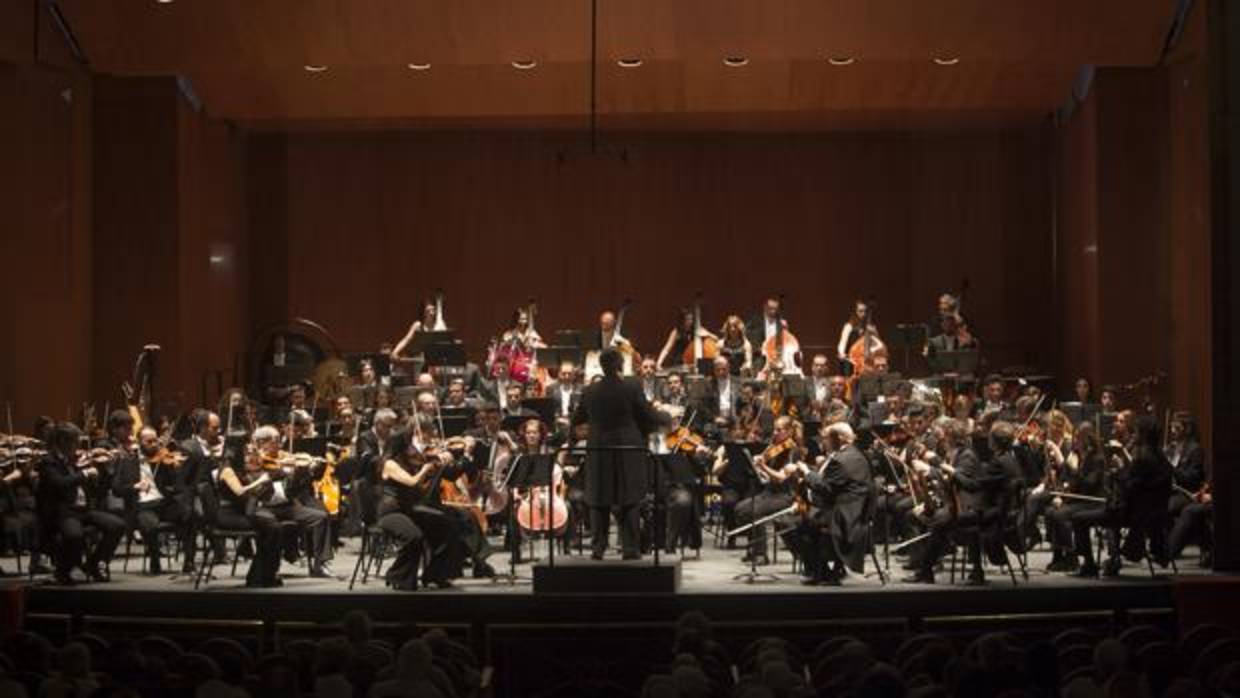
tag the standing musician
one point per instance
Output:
(249, 499)
(63, 505)
(974, 496)
(831, 537)
(148, 485)
(764, 326)
(1081, 474)
(1137, 485)
(776, 467)
(427, 323)
(619, 416)
(855, 326)
(610, 337)
(518, 344)
(680, 340)
(294, 500)
(736, 347)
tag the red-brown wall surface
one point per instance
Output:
(351, 229)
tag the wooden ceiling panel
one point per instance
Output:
(246, 57)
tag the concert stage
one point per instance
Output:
(707, 584)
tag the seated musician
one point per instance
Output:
(973, 496)
(519, 341)
(674, 394)
(17, 503)
(496, 389)
(456, 396)
(1137, 486)
(1188, 462)
(685, 460)
(719, 399)
(762, 327)
(515, 395)
(530, 440)
(148, 485)
(1082, 468)
(680, 340)
(992, 396)
(62, 500)
(450, 495)
(573, 465)
(1040, 450)
(566, 392)
(831, 537)
(652, 384)
(735, 346)
(820, 390)
(296, 501)
(118, 442)
(405, 479)
(776, 466)
(250, 499)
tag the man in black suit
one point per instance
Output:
(619, 416)
(841, 489)
(566, 392)
(762, 326)
(1188, 460)
(202, 450)
(62, 503)
(150, 496)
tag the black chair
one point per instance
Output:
(984, 531)
(213, 533)
(375, 540)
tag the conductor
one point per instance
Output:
(619, 416)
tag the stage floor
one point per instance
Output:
(708, 583)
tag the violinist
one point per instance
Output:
(1187, 458)
(147, 485)
(858, 324)
(454, 468)
(17, 500)
(831, 538)
(63, 506)
(113, 452)
(1137, 484)
(776, 467)
(408, 478)
(685, 458)
(975, 492)
(250, 500)
(1081, 469)
(1041, 448)
(680, 339)
(294, 498)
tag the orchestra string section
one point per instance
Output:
(734, 437)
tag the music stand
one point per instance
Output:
(525, 471)
(456, 420)
(677, 470)
(544, 407)
(555, 355)
(445, 354)
(961, 362)
(909, 336)
(382, 363)
(1078, 412)
(705, 367)
(568, 338)
(753, 576)
(316, 446)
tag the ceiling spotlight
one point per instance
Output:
(842, 61)
(629, 62)
(736, 61)
(164, 2)
(419, 66)
(947, 61)
(315, 68)
(524, 65)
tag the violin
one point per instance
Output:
(165, 456)
(683, 440)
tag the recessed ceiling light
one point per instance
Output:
(164, 2)
(314, 68)
(629, 62)
(419, 66)
(735, 61)
(947, 61)
(842, 60)
(525, 65)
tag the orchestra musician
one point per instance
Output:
(1188, 462)
(1108, 399)
(722, 390)
(831, 537)
(951, 336)
(148, 485)
(855, 326)
(1083, 391)
(426, 323)
(685, 458)
(619, 416)
(992, 396)
(1137, 485)
(409, 480)
(202, 451)
(17, 500)
(680, 339)
(565, 391)
(776, 467)
(736, 347)
(652, 384)
(62, 500)
(294, 499)
(1082, 469)
(765, 325)
(973, 496)
(247, 495)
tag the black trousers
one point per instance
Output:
(892, 512)
(442, 534)
(1191, 524)
(764, 503)
(268, 539)
(22, 528)
(1059, 519)
(628, 516)
(71, 527)
(1084, 520)
(309, 519)
(147, 518)
(684, 521)
(811, 541)
(403, 572)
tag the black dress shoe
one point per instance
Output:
(921, 577)
(976, 579)
(631, 556)
(483, 570)
(439, 583)
(813, 581)
(831, 580)
(596, 555)
(40, 569)
(96, 573)
(63, 578)
(1111, 568)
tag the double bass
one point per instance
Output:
(783, 349)
(701, 347)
